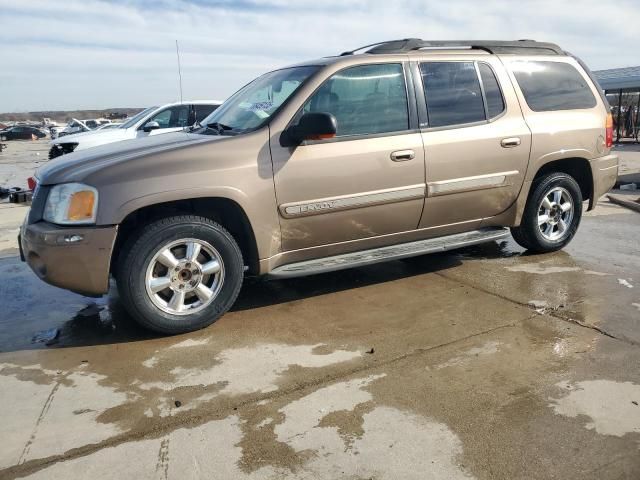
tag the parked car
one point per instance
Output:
(21, 132)
(78, 126)
(73, 126)
(410, 148)
(151, 121)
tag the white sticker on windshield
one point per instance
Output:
(255, 107)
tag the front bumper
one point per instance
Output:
(604, 171)
(76, 259)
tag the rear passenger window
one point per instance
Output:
(452, 92)
(549, 86)
(366, 99)
(495, 102)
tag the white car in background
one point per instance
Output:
(78, 126)
(109, 126)
(151, 121)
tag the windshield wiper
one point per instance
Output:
(195, 126)
(219, 128)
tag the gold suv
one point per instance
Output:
(408, 148)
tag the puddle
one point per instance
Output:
(48, 337)
(609, 405)
(541, 269)
(489, 348)
(561, 347)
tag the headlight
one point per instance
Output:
(71, 204)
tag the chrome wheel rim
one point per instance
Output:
(184, 276)
(555, 213)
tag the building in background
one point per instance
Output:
(622, 87)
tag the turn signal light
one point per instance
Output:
(609, 131)
(323, 136)
(81, 205)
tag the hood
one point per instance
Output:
(76, 166)
(112, 135)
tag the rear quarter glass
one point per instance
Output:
(552, 86)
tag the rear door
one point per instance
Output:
(369, 179)
(476, 141)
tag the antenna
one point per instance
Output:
(179, 70)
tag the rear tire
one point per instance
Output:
(552, 214)
(179, 274)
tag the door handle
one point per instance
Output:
(403, 155)
(510, 142)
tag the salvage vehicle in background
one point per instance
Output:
(151, 121)
(73, 126)
(410, 148)
(21, 132)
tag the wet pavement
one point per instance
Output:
(480, 363)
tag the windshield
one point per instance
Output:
(253, 104)
(133, 120)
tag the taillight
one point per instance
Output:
(609, 131)
(31, 182)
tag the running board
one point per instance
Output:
(391, 252)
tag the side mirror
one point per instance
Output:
(312, 126)
(151, 126)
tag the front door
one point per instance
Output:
(368, 180)
(171, 119)
(476, 142)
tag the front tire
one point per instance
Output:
(552, 214)
(179, 274)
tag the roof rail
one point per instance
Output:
(523, 47)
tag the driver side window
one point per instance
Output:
(366, 99)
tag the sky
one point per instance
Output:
(81, 54)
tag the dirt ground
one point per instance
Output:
(484, 363)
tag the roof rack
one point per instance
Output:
(523, 47)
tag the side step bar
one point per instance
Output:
(392, 252)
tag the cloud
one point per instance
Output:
(98, 54)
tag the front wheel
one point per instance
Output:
(180, 274)
(552, 214)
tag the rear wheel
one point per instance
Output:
(180, 274)
(552, 214)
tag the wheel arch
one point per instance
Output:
(579, 168)
(223, 210)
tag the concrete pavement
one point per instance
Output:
(480, 363)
